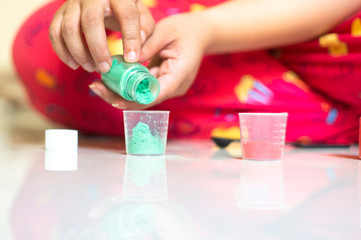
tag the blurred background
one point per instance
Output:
(19, 123)
(15, 114)
(12, 15)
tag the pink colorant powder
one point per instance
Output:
(261, 150)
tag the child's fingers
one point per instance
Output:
(157, 41)
(154, 71)
(71, 32)
(57, 41)
(103, 92)
(127, 15)
(146, 21)
(112, 98)
(171, 76)
(92, 22)
(166, 88)
(169, 80)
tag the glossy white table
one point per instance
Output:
(195, 192)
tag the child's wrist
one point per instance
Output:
(205, 32)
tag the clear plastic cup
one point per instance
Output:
(145, 178)
(263, 135)
(146, 132)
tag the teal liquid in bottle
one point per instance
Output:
(132, 81)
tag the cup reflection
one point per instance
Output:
(61, 160)
(131, 221)
(145, 178)
(261, 185)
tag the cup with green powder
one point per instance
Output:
(145, 132)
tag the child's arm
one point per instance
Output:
(258, 24)
(179, 42)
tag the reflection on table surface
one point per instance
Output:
(261, 185)
(193, 192)
(145, 178)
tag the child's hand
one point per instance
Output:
(176, 49)
(91, 17)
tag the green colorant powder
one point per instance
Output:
(143, 142)
(143, 94)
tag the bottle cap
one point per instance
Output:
(61, 139)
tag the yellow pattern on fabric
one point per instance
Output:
(356, 27)
(196, 7)
(325, 106)
(335, 47)
(149, 3)
(304, 140)
(115, 45)
(45, 79)
(242, 89)
(292, 77)
(230, 133)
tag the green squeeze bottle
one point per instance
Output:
(132, 81)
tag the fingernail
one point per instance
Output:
(104, 67)
(89, 67)
(119, 106)
(116, 105)
(73, 65)
(143, 36)
(131, 56)
(95, 90)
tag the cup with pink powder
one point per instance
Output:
(263, 135)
